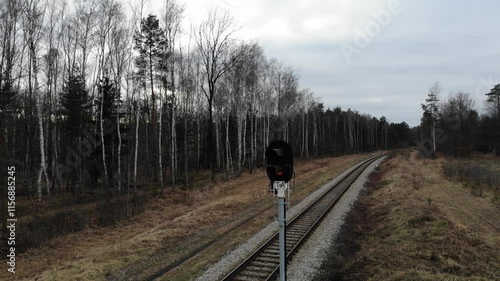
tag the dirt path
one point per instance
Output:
(170, 228)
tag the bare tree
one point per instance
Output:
(172, 18)
(215, 39)
(459, 118)
(84, 23)
(120, 55)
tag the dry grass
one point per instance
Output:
(417, 225)
(213, 217)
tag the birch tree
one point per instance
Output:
(34, 15)
(172, 19)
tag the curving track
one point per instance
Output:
(263, 264)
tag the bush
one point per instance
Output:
(473, 175)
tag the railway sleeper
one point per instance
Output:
(274, 248)
(254, 274)
(263, 264)
(267, 270)
(266, 259)
(292, 240)
(270, 253)
(244, 278)
(298, 229)
(294, 235)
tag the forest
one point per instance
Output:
(94, 99)
(457, 125)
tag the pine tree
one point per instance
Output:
(75, 103)
(150, 42)
(431, 111)
(7, 94)
(494, 98)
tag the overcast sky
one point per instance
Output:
(379, 57)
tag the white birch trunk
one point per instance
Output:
(119, 151)
(255, 130)
(198, 142)
(217, 156)
(238, 129)
(186, 156)
(43, 167)
(267, 131)
(307, 136)
(229, 147)
(160, 166)
(136, 146)
(173, 147)
(252, 132)
(103, 145)
(244, 140)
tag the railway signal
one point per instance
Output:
(279, 160)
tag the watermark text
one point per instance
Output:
(11, 220)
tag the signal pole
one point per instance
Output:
(281, 187)
(279, 161)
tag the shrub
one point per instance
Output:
(473, 175)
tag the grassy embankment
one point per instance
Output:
(423, 220)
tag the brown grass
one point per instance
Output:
(417, 225)
(215, 217)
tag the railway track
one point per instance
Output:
(263, 264)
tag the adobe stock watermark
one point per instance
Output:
(484, 85)
(364, 36)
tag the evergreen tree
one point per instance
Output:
(6, 96)
(150, 42)
(108, 91)
(494, 99)
(431, 112)
(75, 106)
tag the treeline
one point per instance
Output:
(90, 99)
(456, 127)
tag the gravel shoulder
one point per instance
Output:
(306, 264)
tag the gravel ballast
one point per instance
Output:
(308, 259)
